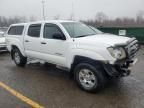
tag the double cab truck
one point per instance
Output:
(92, 57)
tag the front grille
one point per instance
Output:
(132, 48)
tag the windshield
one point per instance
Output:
(76, 29)
(96, 30)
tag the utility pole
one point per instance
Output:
(73, 10)
(43, 5)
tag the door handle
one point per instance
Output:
(43, 42)
(27, 41)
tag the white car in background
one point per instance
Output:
(2, 42)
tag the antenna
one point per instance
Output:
(43, 5)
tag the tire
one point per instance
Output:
(89, 77)
(18, 58)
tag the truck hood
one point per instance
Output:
(108, 39)
(2, 40)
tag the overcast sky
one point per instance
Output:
(83, 9)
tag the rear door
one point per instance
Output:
(32, 40)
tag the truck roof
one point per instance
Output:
(18, 24)
(46, 21)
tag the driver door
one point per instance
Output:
(54, 50)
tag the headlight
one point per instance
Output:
(117, 52)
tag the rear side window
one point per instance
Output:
(34, 30)
(16, 30)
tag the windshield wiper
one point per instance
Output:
(81, 36)
(85, 35)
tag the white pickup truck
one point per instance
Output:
(91, 56)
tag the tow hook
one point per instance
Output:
(125, 72)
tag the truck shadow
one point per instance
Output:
(53, 71)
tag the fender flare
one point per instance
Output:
(78, 59)
(20, 49)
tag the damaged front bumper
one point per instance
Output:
(120, 70)
(123, 67)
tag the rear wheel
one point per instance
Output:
(89, 77)
(18, 58)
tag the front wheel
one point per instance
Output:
(18, 58)
(89, 77)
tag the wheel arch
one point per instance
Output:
(79, 59)
(15, 46)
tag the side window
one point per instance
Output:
(50, 29)
(11, 31)
(34, 30)
(16, 30)
(19, 30)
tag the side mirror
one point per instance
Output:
(59, 36)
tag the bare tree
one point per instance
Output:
(5, 22)
(71, 17)
(100, 17)
(140, 17)
(57, 17)
(32, 18)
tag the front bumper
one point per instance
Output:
(123, 67)
(118, 70)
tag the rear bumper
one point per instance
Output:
(119, 70)
(3, 48)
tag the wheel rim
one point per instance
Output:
(87, 78)
(17, 57)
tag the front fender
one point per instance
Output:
(85, 53)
